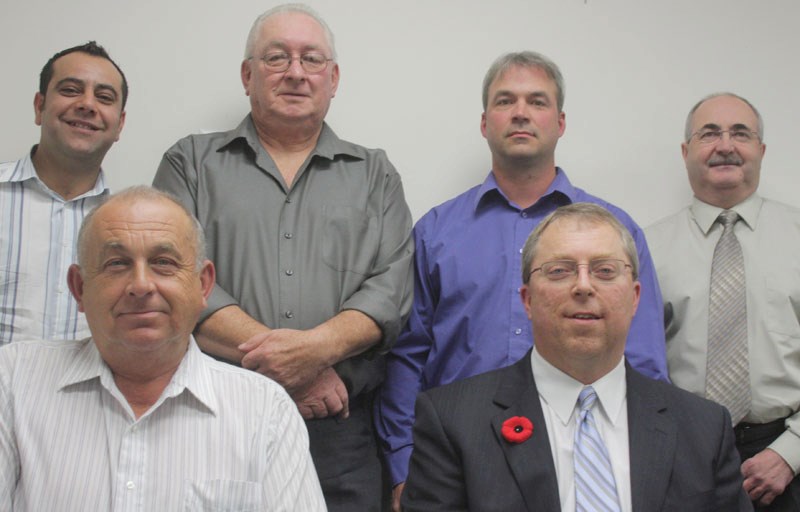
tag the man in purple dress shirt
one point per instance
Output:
(466, 318)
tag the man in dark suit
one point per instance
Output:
(571, 426)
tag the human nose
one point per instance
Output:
(141, 282)
(583, 284)
(519, 112)
(87, 103)
(295, 69)
(725, 143)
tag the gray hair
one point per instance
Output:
(296, 8)
(688, 130)
(586, 212)
(525, 59)
(142, 192)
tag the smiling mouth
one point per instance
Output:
(584, 316)
(82, 125)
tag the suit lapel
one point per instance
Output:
(531, 461)
(652, 435)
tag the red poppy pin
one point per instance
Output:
(517, 429)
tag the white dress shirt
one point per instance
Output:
(218, 438)
(682, 246)
(38, 242)
(558, 394)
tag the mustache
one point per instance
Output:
(730, 159)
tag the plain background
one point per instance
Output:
(411, 77)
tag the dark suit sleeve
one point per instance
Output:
(729, 490)
(435, 478)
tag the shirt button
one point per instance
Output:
(524, 215)
(130, 485)
(517, 331)
(520, 250)
(289, 314)
(287, 235)
(288, 199)
(290, 272)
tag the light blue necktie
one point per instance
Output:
(595, 489)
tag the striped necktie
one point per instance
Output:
(727, 367)
(595, 488)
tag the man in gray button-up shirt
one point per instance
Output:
(311, 238)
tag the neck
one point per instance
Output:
(523, 185)
(140, 390)
(725, 201)
(66, 177)
(289, 148)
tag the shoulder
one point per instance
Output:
(199, 142)
(681, 403)
(451, 212)
(781, 211)
(663, 232)
(465, 397)
(621, 215)
(235, 377)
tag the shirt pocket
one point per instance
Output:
(224, 496)
(350, 240)
(782, 314)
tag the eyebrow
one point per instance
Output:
(735, 126)
(119, 247)
(535, 94)
(77, 81)
(271, 45)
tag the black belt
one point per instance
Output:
(749, 432)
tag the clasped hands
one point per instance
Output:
(300, 362)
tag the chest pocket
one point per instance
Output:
(224, 496)
(351, 238)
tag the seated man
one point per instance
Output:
(136, 416)
(571, 426)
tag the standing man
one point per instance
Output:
(571, 426)
(466, 318)
(45, 195)
(311, 236)
(136, 417)
(738, 344)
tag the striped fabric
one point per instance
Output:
(595, 488)
(219, 438)
(38, 238)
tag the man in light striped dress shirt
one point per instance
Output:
(136, 418)
(45, 195)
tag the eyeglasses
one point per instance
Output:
(278, 62)
(606, 269)
(740, 135)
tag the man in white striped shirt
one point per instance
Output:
(136, 418)
(44, 196)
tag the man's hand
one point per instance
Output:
(397, 491)
(325, 396)
(766, 475)
(291, 357)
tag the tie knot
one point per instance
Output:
(586, 398)
(728, 218)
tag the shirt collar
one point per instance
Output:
(328, 145)
(192, 374)
(705, 214)
(24, 171)
(560, 186)
(560, 391)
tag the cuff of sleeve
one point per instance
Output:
(218, 299)
(383, 313)
(398, 464)
(788, 446)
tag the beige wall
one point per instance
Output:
(411, 77)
